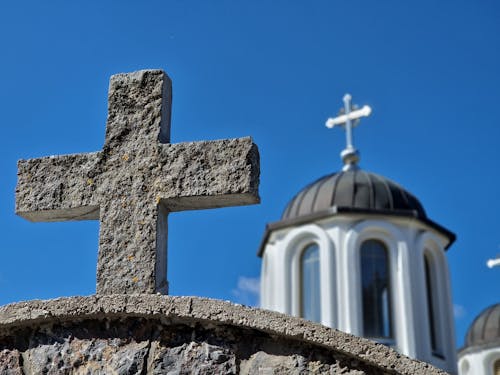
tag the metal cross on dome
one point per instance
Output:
(349, 117)
(493, 262)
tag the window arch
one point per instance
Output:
(310, 292)
(265, 299)
(376, 290)
(464, 367)
(436, 297)
(398, 311)
(496, 367)
(290, 291)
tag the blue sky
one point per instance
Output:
(274, 71)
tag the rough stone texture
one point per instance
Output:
(10, 362)
(56, 351)
(137, 178)
(153, 334)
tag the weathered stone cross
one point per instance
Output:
(135, 181)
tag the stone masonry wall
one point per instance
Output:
(148, 334)
(141, 346)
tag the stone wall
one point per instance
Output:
(152, 334)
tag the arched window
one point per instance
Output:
(432, 311)
(376, 291)
(496, 367)
(310, 298)
(465, 367)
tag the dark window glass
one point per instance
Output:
(496, 367)
(310, 304)
(430, 306)
(376, 290)
(432, 312)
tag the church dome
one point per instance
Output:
(485, 329)
(354, 190)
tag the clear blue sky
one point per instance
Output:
(275, 71)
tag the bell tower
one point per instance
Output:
(356, 251)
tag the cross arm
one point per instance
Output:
(57, 188)
(209, 174)
(354, 115)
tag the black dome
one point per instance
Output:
(354, 190)
(485, 329)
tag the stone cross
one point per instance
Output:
(349, 117)
(135, 181)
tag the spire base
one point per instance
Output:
(350, 157)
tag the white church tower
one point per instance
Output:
(357, 252)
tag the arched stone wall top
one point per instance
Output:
(208, 313)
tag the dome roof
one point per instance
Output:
(354, 189)
(485, 329)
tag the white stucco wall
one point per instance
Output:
(479, 362)
(339, 238)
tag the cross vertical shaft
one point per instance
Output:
(348, 124)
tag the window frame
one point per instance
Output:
(382, 339)
(396, 244)
(432, 246)
(432, 302)
(310, 245)
(495, 368)
(293, 242)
